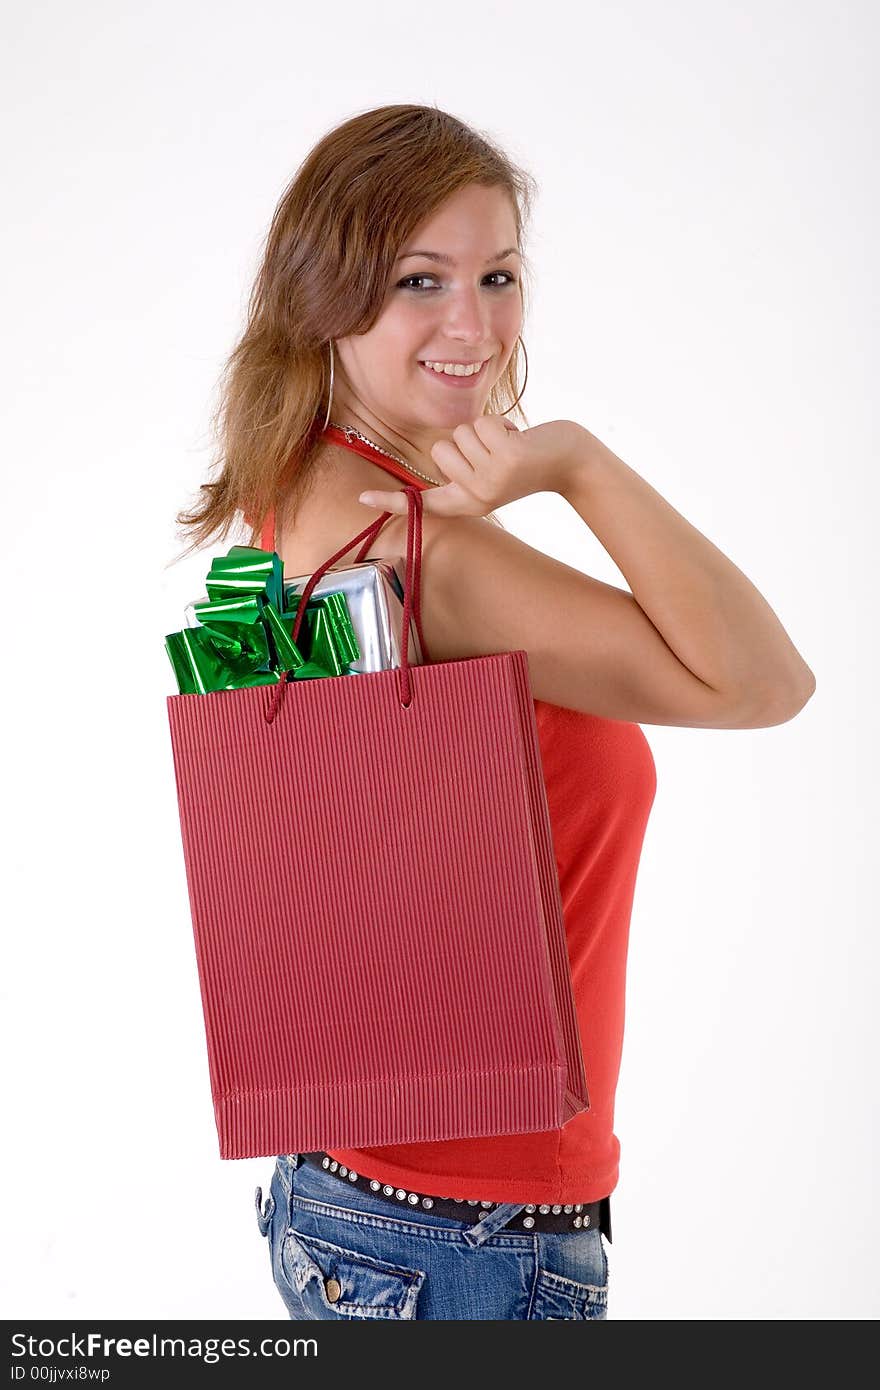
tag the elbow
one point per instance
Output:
(782, 704)
(804, 691)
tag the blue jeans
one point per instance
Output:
(342, 1253)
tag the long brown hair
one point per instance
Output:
(329, 254)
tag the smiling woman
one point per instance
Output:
(384, 301)
(456, 325)
(362, 251)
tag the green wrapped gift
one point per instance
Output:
(243, 636)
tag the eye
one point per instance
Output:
(406, 283)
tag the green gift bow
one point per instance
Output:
(245, 633)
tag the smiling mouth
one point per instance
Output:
(457, 377)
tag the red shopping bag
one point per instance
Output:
(375, 904)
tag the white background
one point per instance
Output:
(706, 303)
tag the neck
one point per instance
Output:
(415, 453)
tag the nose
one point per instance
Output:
(468, 318)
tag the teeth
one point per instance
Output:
(454, 369)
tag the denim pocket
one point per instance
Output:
(318, 1279)
(572, 1278)
(557, 1297)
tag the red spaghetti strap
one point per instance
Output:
(267, 535)
(367, 451)
(374, 456)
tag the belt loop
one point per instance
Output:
(486, 1227)
(285, 1167)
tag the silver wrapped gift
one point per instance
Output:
(373, 590)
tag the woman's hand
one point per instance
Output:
(490, 463)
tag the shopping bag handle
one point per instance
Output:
(411, 593)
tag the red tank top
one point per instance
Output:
(601, 779)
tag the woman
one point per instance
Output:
(383, 347)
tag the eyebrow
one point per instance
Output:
(447, 260)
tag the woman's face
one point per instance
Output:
(465, 308)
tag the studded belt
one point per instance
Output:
(534, 1217)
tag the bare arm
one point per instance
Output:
(706, 610)
(694, 644)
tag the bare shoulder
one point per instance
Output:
(590, 646)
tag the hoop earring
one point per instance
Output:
(520, 396)
(330, 392)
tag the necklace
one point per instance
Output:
(351, 432)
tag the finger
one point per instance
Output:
(475, 449)
(449, 500)
(491, 429)
(452, 461)
(385, 501)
